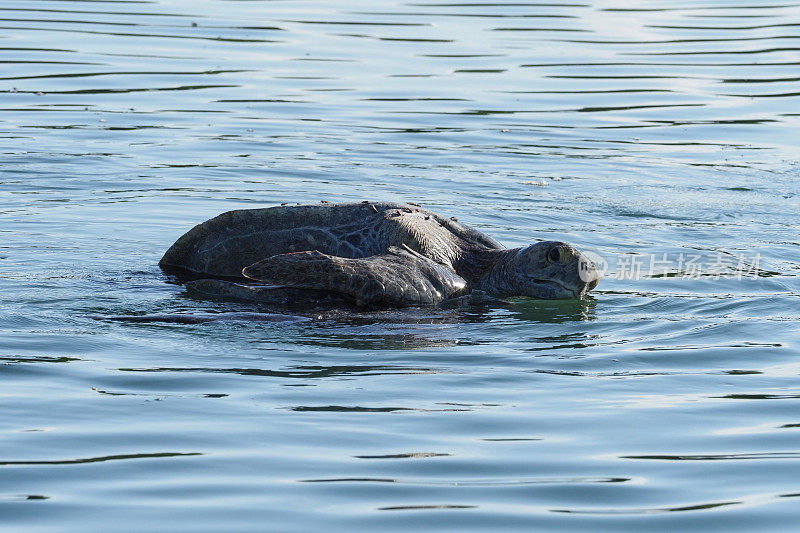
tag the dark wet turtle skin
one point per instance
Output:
(224, 245)
(376, 253)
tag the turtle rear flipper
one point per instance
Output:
(398, 277)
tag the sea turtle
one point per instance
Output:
(372, 253)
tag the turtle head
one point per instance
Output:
(549, 270)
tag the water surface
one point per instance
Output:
(648, 134)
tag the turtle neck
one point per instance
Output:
(484, 268)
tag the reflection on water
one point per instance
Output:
(555, 311)
(300, 372)
(666, 401)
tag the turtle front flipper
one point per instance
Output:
(399, 277)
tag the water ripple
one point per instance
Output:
(101, 459)
(721, 457)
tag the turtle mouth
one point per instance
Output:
(553, 290)
(591, 285)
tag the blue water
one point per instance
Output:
(645, 133)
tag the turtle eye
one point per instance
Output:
(554, 256)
